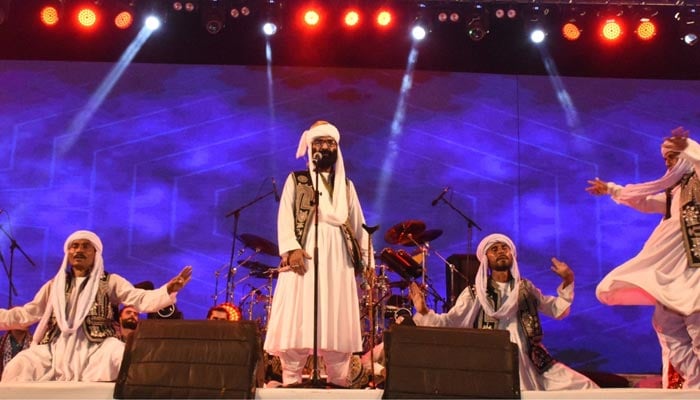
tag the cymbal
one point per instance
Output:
(400, 284)
(260, 245)
(254, 265)
(423, 237)
(404, 230)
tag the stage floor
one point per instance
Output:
(80, 390)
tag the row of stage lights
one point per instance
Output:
(572, 22)
(610, 24)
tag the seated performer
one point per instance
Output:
(75, 339)
(11, 343)
(502, 300)
(128, 321)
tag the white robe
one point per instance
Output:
(71, 357)
(659, 275)
(292, 315)
(466, 310)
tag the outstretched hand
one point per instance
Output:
(418, 298)
(597, 187)
(562, 269)
(178, 282)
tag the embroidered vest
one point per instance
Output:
(98, 323)
(528, 318)
(304, 209)
(690, 217)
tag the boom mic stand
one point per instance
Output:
(230, 284)
(13, 245)
(372, 326)
(470, 225)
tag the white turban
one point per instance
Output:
(57, 296)
(671, 177)
(335, 212)
(509, 307)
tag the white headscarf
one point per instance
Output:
(337, 211)
(509, 307)
(671, 177)
(57, 296)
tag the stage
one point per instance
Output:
(98, 390)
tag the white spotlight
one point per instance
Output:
(537, 36)
(418, 33)
(269, 28)
(690, 39)
(152, 22)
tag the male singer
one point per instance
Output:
(290, 331)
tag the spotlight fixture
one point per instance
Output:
(477, 24)
(351, 18)
(612, 27)
(269, 28)
(121, 12)
(52, 13)
(536, 20)
(383, 18)
(184, 5)
(689, 31)
(311, 17)
(213, 16)
(573, 20)
(419, 32)
(448, 16)
(239, 10)
(646, 26)
(87, 16)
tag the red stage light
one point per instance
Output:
(646, 29)
(571, 31)
(49, 16)
(123, 20)
(351, 18)
(86, 17)
(611, 30)
(312, 17)
(383, 18)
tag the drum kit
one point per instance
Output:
(410, 266)
(259, 296)
(395, 270)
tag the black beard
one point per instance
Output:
(502, 267)
(129, 324)
(328, 160)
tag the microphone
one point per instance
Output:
(317, 156)
(442, 194)
(274, 189)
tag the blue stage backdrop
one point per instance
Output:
(173, 148)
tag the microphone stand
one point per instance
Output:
(230, 285)
(315, 373)
(470, 225)
(13, 245)
(372, 325)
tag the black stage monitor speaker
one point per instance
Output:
(427, 362)
(467, 265)
(190, 359)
